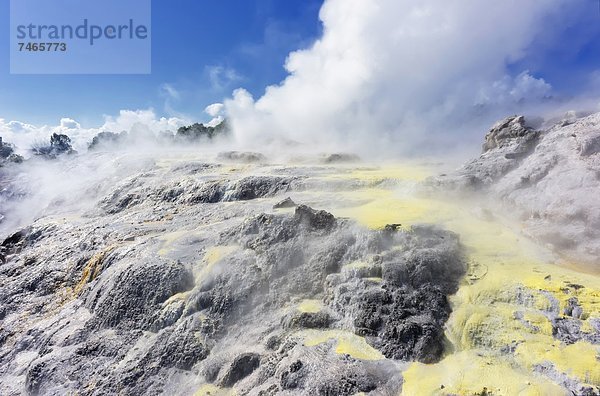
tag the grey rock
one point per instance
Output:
(314, 219)
(511, 133)
(337, 158)
(590, 144)
(243, 157)
(573, 308)
(572, 385)
(546, 179)
(286, 203)
(133, 295)
(179, 346)
(242, 366)
(568, 330)
(253, 187)
(307, 320)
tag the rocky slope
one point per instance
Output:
(549, 177)
(179, 278)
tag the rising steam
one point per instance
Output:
(404, 75)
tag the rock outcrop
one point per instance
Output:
(548, 178)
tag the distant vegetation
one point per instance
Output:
(59, 144)
(187, 134)
(7, 153)
(106, 139)
(197, 132)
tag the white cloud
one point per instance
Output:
(390, 73)
(170, 91)
(214, 109)
(23, 135)
(139, 122)
(508, 90)
(222, 77)
(18, 127)
(69, 123)
(594, 79)
(127, 119)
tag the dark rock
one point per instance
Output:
(244, 156)
(345, 384)
(270, 391)
(575, 286)
(307, 320)
(440, 264)
(189, 191)
(392, 227)
(35, 378)
(573, 308)
(254, 187)
(134, 297)
(337, 158)
(210, 192)
(242, 366)
(568, 330)
(60, 144)
(15, 243)
(179, 347)
(318, 220)
(5, 149)
(286, 203)
(273, 342)
(404, 317)
(408, 324)
(117, 204)
(291, 378)
(419, 337)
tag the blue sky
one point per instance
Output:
(566, 58)
(201, 48)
